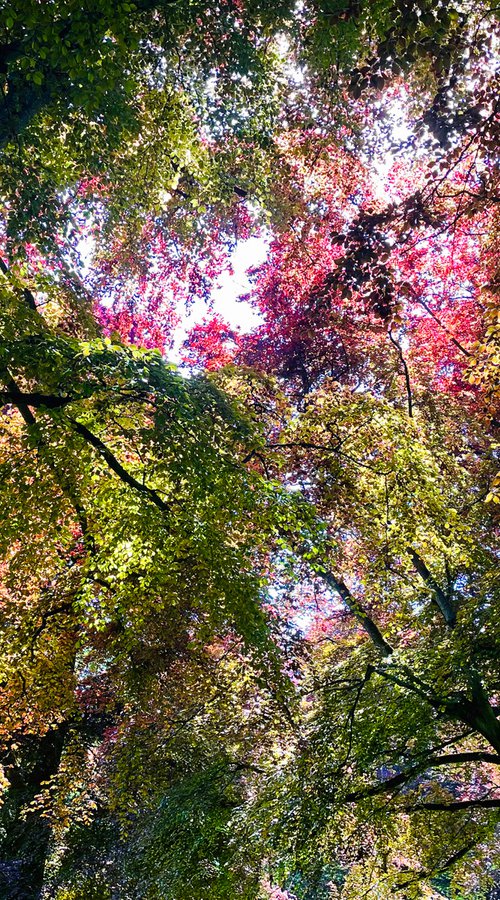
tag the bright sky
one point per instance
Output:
(225, 296)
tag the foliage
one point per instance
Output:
(249, 607)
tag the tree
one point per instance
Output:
(249, 616)
(372, 335)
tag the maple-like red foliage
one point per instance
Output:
(370, 272)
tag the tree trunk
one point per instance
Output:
(24, 848)
(478, 713)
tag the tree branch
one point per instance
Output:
(406, 373)
(21, 401)
(433, 762)
(36, 399)
(116, 466)
(16, 397)
(456, 806)
(477, 713)
(28, 296)
(357, 610)
(440, 867)
(445, 329)
(441, 600)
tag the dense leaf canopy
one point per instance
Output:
(249, 617)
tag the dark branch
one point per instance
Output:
(442, 601)
(28, 296)
(17, 399)
(49, 401)
(433, 762)
(440, 867)
(450, 334)
(21, 400)
(477, 713)
(357, 610)
(406, 373)
(116, 466)
(456, 806)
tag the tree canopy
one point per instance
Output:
(249, 616)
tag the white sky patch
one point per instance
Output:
(231, 286)
(400, 133)
(86, 250)
(238, 313)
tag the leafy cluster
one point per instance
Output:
(249, 619)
